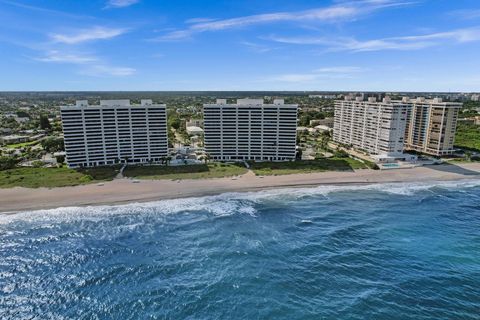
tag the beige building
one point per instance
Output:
(431, 126)
(322, 122)
(375, 127)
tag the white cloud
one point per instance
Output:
(199, 20)
(90, 66)
(105, 70)
(56, 56)
(307, 77)
(95, 33)
(255, 47)
(341, 12)
(466, 14)
(121, 3)
(339, 72)
(43, 10)
(393, 43)
(345, 70)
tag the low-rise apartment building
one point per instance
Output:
(431, 126)
(250, 130)
(375, 127)
(114, 132)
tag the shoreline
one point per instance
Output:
(124, 191)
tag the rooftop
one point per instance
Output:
(405, 100)
(113, 103)
(252, 102)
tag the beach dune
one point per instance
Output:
(124, 190)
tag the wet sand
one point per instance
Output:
(121, 191)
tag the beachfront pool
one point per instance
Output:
(391, 165)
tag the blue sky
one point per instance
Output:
(390, 45)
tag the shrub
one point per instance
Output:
(37, 164)
(86, 178)
(341, 154)
(7, 163)
(371, 165)
(60, 159)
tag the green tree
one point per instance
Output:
(206, 157)
(60, 158)
(53, 144)
(174, 122)
(22, 114)
(45, 123)
(468, 155)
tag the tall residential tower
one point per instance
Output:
(431, 126)
(375, 127)
(250, 130)
(114, 132)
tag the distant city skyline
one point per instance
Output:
(364, 45)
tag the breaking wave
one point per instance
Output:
(226, 204)
(378, 251)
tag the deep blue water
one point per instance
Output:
(403, 251)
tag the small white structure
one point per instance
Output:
(22, 119)
(193, 130)
(6, 130)
(325, 122)
(404, 157)
(323, 128)
(14, 139)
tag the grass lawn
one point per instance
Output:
(54, 177)
(461, 160)
(306, 166)
(468, 136)
(198, 171)
(21, 145)
(101, 173)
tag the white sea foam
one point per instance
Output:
(228, 203)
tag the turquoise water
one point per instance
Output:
(392, 251)
(391, 165)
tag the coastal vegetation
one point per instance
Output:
(197, 171)
(306, 115)
(306, 166)
(31, 177)
(468, 136)
(22, 144)
(470, 109)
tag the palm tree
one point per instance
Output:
(207, 157)
(324, 140)
(468, 155)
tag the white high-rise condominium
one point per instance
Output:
(431, 126)
(375, 127)
(113, 132)
(250, 130)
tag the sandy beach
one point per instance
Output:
(124, 190)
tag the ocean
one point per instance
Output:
(384, 251)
